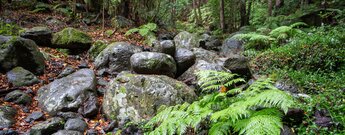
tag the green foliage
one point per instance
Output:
(147, 31)
(255, 41)
(257, 110)
(9, 29)
(211, 81)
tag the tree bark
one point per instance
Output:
(243, 13)
(270, 5)
(221, 15)
(199, 12)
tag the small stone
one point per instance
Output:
(18, 97)
(21, 77)
(91, 132)
(67, 71)
(9, 132)
(49, 126)
(69, 115)
(76, 124)
(111, 126)
(67, 132)
(7, 116)
(83, 65)
(34, 116)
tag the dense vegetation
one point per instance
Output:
(297, 41)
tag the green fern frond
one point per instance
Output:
(255, 41)
(298, 25)
(221, 128)
(259, 125)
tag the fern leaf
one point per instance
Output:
(259, 125)
(220, 128)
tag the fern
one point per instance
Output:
(212, 80)
(255, 41)
(146, 31)
(256, 110)
(298, 25)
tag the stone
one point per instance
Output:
(41, 35)
(9, 132)
(7, 115)
(138, 97)
(287, 131)
(231, 46)
(17, 51)
(110, 127)
(184, 59)
(165, 46)
(209, 42)
(76, 124)
(67, 71)
(186, 40)
(68, 93)
(120, 22)
(68, 132)
(153, 63)
(238, 64)
(34, 116)
(69, 115)
(91, 107)
(73, 39)
(49, 126)
(287, 85)
(96, 48)
(165, 36)
(18, 76)
(116, 57)
(18, 97)
(189, 77)
(91, 132)
(206, 55)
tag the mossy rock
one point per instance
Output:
(71, 38)
(97, 48)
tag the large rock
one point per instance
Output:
(209, 42)
(70, 38)
(186, 40)
(68, 93)
(18, 97)
(238, 64)
(165, 46)
(7, 116)
(120, 22)
(41, 35)
(47, 127)
(17, 51)
(116, 57)
(184, 60)
(76, 124)
(206, 55)
(20, 77)
(231, 46)
(153, 63)
(190, 78)
(138, 97)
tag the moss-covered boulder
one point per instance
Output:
(138, 97)
(17, 51)
(97, 48)
(48, 127)
(20, 77)
(7, 115)
(71, 38)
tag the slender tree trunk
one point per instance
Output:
(103, 9)
(243, 13)
(270, 5)
(199, 12)
(173, 13)
(221, 15)
(249, 11)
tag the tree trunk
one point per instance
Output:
(195, 13)
(249, 11)
(173, 13)
(221, 15)
(199, 12)
(243, 13)
(270, 5)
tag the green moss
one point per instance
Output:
(70, 36)
(96, 48)
(123, 89)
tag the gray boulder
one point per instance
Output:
(238, 64)
(7, 115)
(17, 51)
(165, 46)
(189, 77)
(68, 93)
(153, 63)
(76, 124)
(67, 132)
(206, 55)
(184, 60)
(209, 42)
(287, 85)
(18, 97)
(41, 35)
(186, 40)
(116, 57)
(231, 46)
(35, 116)
(138, 97)
(20, 77)
(47, 127)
